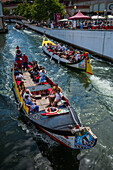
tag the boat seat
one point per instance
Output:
(39, 87)
(38, 96)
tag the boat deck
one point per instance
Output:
(42, 102)
(28, 82)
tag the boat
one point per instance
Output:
(61, 123)
(84, 64)
(19, 27)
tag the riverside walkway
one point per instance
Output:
(98, 42)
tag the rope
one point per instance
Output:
(73, 115)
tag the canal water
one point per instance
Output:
(22, 146)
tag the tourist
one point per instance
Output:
(43, 75)
(18, 53)
(58, 97)
(52, 93)
(22, 88)
(19, 77)
(19, 63)
(31, 96)
(30, 104)
(25, 61)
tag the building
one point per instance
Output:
(102, 7)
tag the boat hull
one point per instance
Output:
(60, 128)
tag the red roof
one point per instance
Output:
(79, 15)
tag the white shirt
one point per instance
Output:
(58, 97)
(19, 76)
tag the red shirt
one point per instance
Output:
(19, 63)
(25, 58)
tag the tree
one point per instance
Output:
(45, 9)
(6, 11)
(39, 10)
(23, 10)
(55, 7)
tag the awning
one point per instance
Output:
(63, 20)
(79, 15)
(97, 17)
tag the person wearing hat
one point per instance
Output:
(25, 61)
(52, 93)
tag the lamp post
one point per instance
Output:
(104, 12)
(75, 9)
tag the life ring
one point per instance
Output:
(49, 110)
(20, 105)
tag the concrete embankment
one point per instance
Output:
(99, 42)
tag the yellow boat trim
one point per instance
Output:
(18, 94)
(45, 42)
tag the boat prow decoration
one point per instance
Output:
(83, 64)
(46, 41)
(89, 69)
(62, 125)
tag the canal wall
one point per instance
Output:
(99, 42)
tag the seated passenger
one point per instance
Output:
(77, 56)
(52, 93)
(19, 63)
(34, 70)
(31, 96)
(19, 77)
(22, 88)
(16, 72)
(58, 97)
(30, 104)
(43, 75)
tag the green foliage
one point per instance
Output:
(23, 10)
(45, 9)
(40, 10)
(6, 11)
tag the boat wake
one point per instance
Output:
(28, 32)
(102, 87)
(40, 47)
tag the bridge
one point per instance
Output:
(14, 17)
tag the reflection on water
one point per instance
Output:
(25, 147)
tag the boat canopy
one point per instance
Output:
(79, 15)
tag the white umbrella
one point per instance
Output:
(110, 16)
(63, 20)
(97, 17)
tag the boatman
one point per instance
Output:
(25, 61)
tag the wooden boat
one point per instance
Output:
(64, 127)
(83, 65)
